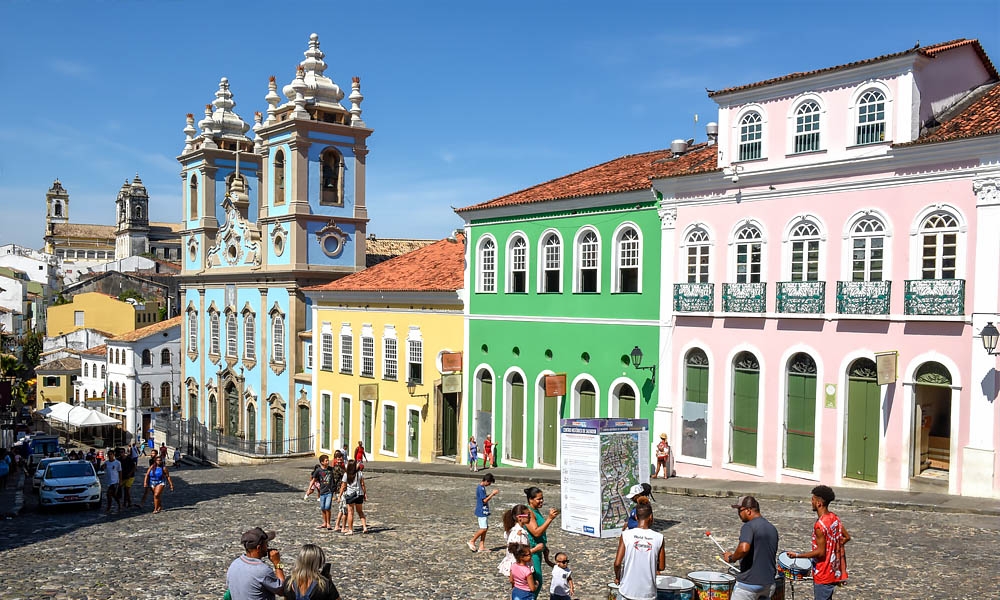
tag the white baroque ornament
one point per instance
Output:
(668, 216)
(987, 190)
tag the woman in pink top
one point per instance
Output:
(521, 575)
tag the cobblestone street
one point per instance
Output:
(416, 547)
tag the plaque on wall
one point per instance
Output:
(885, 367)
(368, 392)
(451, 384)
(830, 393)
(231, 295)
(451, 362)
(555, 385)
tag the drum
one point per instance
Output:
(613, 592)
(673, 588)
(794, 568)
(712, 585)
(779, 587)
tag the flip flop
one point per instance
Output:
(322, 527)
(471, 546)
(349, 533)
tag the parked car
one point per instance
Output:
(36, 480)
(70, 482)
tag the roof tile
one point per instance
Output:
(147, 331)
(982, 117)
(437, 267)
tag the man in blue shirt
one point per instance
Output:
(248, 577)
(482, 512)
(756, 551)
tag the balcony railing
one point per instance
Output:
(744, 297)
(941, 297)
(801, 297)
(694, 297)
(863, 297)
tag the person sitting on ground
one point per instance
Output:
(310, 577)
(248, 578)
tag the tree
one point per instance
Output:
(31, 346)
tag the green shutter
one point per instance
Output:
(550, 423)
(626, 404)
(862, 429)
(325, 423)
(486, 394)
(745, 396)
(366, 435)
(587, 404)
(389, 439)
(800, 425)
(516, 417)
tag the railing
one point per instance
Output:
(863, 297)
(195, 439)
(802, 297)
(941, 297)
(694, 297)
(744, 297)
(266, 447)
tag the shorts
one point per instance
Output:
(558, 597)
(113, 489)
(484, 522)
(824, 591)
(519, 594)
(742, 592)
(325, 501)
(129, 482)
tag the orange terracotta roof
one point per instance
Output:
(981, 117)
(138, 334)
(930, 51)
(624, 174)
(69, 363)
(101, 350)
(106, 232)
(438, 267)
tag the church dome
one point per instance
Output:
(221, 122)
(318, 89)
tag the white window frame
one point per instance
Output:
(213, 332)
(619, 257)
(414, 355)
(249, 336)
(367, 352)
(390, 354)
(735, 244)
(818, 127)
(793, 235)
(699, 239)
(854, 109)
(578, 259)
(384, 423)
(939, 232)
(511, 261)
(192, 324)
(848, 234)
(326, 349)
(486, 278)
(738, 133)
(544, 266)
(278, 338)
(346, 350)
(232, 335)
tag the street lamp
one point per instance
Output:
(411, 386)
(990, 337)
(636, 355)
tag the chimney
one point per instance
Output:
(712, 131)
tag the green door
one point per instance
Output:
(516, 418)
(324, 426)
(484, 416)
(251, 425)
(389, 431)
(366, 423)
(800, 426)
(626, 402)
(746, 390)
(278, 434)
(345, 423)
(449, 425)
(304, 443)
(550, 428)
(694, 442)
(588, 400)
(413, 435)
(863, 402)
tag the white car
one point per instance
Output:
(36, 480)
(70, 482)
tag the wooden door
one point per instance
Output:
(863, 400)
(449, 425)
(800, 417)
(515, 451)
(413, 434)
(746, 393)
(550, 429)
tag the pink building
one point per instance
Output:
(824, 289)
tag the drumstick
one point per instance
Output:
(733, 567)
(721, 549)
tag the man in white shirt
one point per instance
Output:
(640, 557)
(113, 471)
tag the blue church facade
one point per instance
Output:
(269, 209)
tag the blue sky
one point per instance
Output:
(468, 100)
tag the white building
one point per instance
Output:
(92, 383)
(38, 266)
(143, 374)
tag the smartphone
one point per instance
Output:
(326, 570)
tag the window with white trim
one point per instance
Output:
(231, 333)
(488, 266)
(390, 359)
(278, 339)
(367, 356)
(249, 336)
(867, 249)
(551, 265)
(749, 250)
(939, 241)
(807, 127)
(517, 261)
(751, 134)
(805, 252)
(628, 255)
(415, 361)
(588, 263)
(213, 328)
(871, 118)
(697, 256)
(346, 353)
(326, 351)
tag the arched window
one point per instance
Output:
(58, 209)
(588, 262)
(628, 256)
(488, 266)
(86, 370)
(939, 253)
(800, 412)
(867, 249)
(746, 396)
(805, 252)
(751, 132)
(551, 264)
(279, 177)
(137, 212)
(871, 118)
(694, 437)
(165, 394)
(213, 325)
(231, 335)
(278, 339)
(249, 336)
(192, 331)
(330, 183)
(697, 256)
(517, 265)
(749, 250)
(624, 400)
(165, 356)
(147, 358)
(147, 395)
(193, 196)
(807, 127)
(103, 372)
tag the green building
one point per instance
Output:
(563, 279)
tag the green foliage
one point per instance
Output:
(162, 314)
(60, 300)
(31, 348)
(133, 294)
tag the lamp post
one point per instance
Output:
(990, 337)
(411, 386)
(636, 356)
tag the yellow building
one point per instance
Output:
(93, 310)
(54, 381)
(385, 342)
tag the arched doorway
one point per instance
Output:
(484, 404)
(515, 417)
(251, 425)
(624, 401)
(746, 396)
(278, 433)
(800, 413)
(932, 421)
(694, 437)
(863, 409)
(232, 418)
(586, 400)
(549, 423)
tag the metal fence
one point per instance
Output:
(196, 440)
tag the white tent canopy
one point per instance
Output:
(78, 416)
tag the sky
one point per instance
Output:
(468, 100)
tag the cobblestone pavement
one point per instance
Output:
(416, 547)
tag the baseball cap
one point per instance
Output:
(257, 536)
(635, 490)
(746, 502)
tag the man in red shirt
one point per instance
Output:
(828, 539)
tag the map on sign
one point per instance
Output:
(620, 458)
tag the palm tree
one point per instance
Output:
(10, 366)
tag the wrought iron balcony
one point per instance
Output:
(863, 297)
(744, 297)
(694, 297)
(802, 297)
(942, 297)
